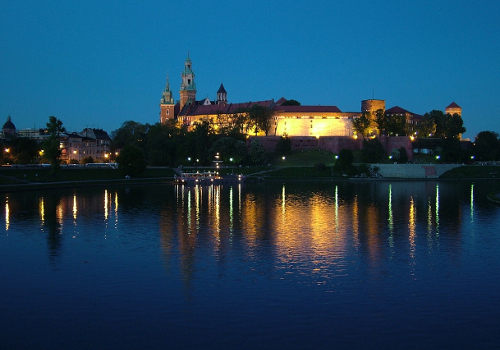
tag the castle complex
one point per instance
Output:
(293, 120)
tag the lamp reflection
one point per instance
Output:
(75, 208)
(7, 214)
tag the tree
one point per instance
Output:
(284, 145)
(130, 133)
(382, 121)
(426, 127)
(51, 149)
(161, 144)
(362, 124)
(396, 125)
(260, 118)
(88, 160)
(403, 155)
(487, 146)
(373, 151)
(257, 152)
(452, 151)
(229, 150)
(24, 150)
(131, 160)
(344, 162)
(447, 125)
(454, 126)
(291, 102)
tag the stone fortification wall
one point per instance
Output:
(414, 171)
(395, 143)
(334, 143)
(314, 127)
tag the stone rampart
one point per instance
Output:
(414, 171)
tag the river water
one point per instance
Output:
(299, 265)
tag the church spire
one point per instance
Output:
(188, 86)
(167, 104)
(167, 97)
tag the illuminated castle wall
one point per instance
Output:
(294, 121)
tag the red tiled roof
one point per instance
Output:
(194, 110)
(453, 105)
(281, 101)
(307, 109)
(397, 110)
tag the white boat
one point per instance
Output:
(207, 178)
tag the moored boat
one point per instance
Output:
(207, 178)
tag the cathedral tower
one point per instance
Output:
(221, 95)
(188, 86)
(167, 104)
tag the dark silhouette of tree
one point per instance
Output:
(343, 164)
(284, 145)
(362, 124)
(291, 102)
(373, 151)
(260, 118)
(50, 146)
(257, 152)
(24, 150)
(381, 119)
(487, 146)
(426, 127)
(231, 151)
(131, 160)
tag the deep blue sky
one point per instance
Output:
(101, 63)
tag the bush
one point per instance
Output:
(131, 161)
(320, 166)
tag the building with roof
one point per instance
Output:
(292, 120)
(453, 108)
(408, 119)
(8, 129)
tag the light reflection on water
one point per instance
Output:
(282, 265)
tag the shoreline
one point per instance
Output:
(254, 180)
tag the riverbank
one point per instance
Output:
(22, 179)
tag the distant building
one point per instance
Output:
(8, 129)
(453, 108)
(410, 119)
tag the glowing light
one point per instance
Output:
(7, 214)
(41, 208)
(437, 209)
(75, 209)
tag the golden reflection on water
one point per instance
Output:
(106, 205)
(75, 207)
(472, 203)
(41, 209)
(7, 214)
(437, 210)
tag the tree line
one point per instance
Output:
(436, 124)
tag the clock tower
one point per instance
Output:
(188, 86)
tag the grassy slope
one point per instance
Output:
(10, 176)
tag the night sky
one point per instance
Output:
(101, 63)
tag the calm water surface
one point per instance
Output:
(342, 265)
